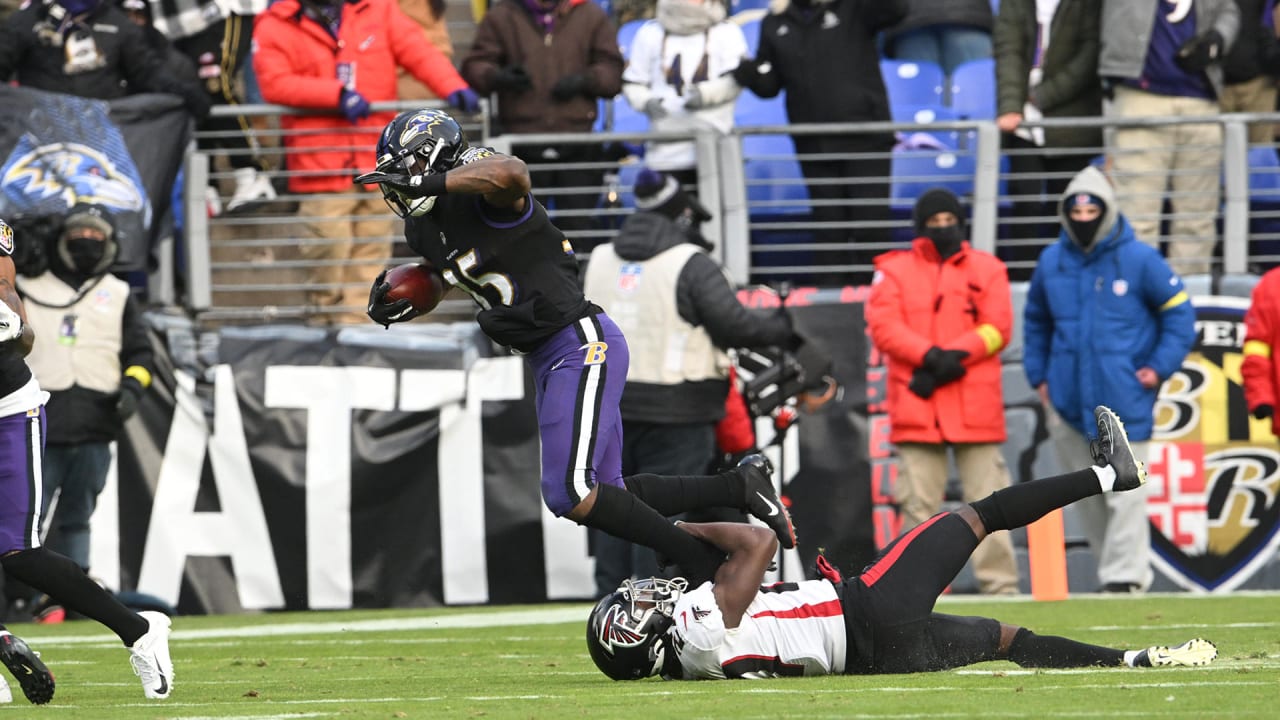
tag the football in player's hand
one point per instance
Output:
(419, 282)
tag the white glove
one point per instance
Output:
(10, 323)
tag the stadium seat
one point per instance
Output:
(925, 114)
(737, 6)
(751, 110)
(912, 83)
(775, 185)
(626, 34)
(1264, 176)
(973, 89)
(915, 171)
(751, 31)
(627, 118)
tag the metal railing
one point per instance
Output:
(251, 266)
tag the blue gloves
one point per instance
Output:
(353, 105)
(465, 100)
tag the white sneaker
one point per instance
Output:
(1191, 653)
(212, 202)
(252, 187)
(150, 659)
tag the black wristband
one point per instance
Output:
(429, 185)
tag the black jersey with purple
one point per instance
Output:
(517, 265)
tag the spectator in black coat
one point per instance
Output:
(798, 39)
(87, 48)
(1251, 68)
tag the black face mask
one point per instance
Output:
(86, 254)
(1085, 232)
(946, 239)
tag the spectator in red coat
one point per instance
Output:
(341, 56)
(941, 312)
(1262, 334)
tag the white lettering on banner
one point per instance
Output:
(1221, 333)
(104, 527)
(460, 462)
(329, 394)
(238, 531)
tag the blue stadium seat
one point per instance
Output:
(913, 83)
(775, 185)
(973, 89)
(751, 31)
(918, 170)
(627, 118)
(626, 34)
(927, 114)
(1264, 176)
(752, 110)
(737, 6)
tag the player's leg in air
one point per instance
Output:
(898, 591)
(579, 376)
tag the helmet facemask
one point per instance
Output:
(625, 630)
(417, 144)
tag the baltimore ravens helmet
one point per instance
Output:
(418, 142)
(626, 628)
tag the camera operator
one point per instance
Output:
(679, 312)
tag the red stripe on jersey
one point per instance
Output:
(830, 608)
(873, 573)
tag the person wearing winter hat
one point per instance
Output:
(1106, 320)
(93, 355)
(941, 312)
(679, 313)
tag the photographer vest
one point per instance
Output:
(78, 340)
(641, 298)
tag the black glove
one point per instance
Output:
(384, 313)
(407, 185)
(513, 78)
(923, 383)
(569, 87)
(816, 364)
(198, 104)
(130, 393)
(947, 366)
(1199, 52)
(747, 72)
(1262, 412)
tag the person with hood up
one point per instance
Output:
(1106, 320)
(941, 312)
(679, 313)
(680, 74)
(93, 355)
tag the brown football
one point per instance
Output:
(418, 282)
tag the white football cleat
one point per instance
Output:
(150, 659)
(1192, 653)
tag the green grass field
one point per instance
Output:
(531, 662)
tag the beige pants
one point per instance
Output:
(1185, 160)
(922, 481)
(348, 243)
(1115, 524)
(1252, 96)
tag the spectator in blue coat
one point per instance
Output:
(1107, 321)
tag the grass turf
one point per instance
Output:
(531, 662)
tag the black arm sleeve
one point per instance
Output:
(705, 298)
(135, 343)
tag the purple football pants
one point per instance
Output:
(579, 374)
(21, 451)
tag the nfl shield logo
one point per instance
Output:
(629, 278)
(1120, 287)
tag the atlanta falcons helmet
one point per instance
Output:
(626, 628)
(418, 142)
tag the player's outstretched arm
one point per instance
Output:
(750, 550)
(502, 180)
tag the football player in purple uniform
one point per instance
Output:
(22, 425)
(470, 212)
(881, 621)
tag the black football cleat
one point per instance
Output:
(32, 675)
(1112, 448)
(762, 499)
